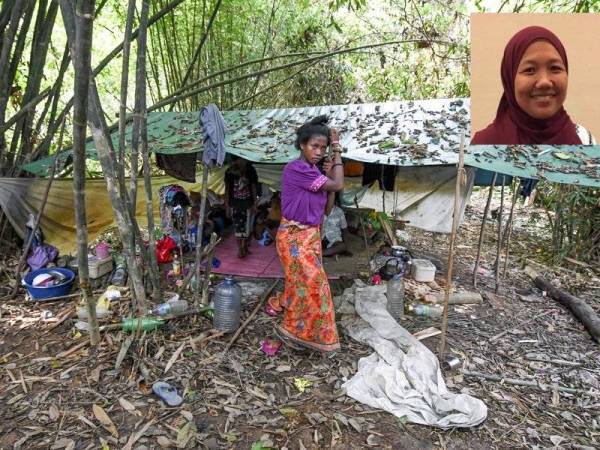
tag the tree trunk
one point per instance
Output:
(141, 101)
(81, 54)
(8, 38)
(580, 309)
(106, 155)
(39, 50)
(124, 85)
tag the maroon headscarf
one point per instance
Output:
(512, 125)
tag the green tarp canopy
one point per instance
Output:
(406, 133)
(569, 164)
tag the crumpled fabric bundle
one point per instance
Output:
(213, 130)
(402, 376)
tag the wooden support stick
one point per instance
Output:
(460, 174)
(258, 306)
(200, 231)
(207, 270)
(527, 383)
(499, 243)
(509, 226)
(362, 224)
(485, 212)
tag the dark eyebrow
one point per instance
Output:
(534, 62)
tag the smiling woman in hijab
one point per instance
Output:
(535, 76)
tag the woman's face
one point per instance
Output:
(314, 149)
(541, 81)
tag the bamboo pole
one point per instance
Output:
(460, 175)
(199, 231)
(509, 226)
(141, 88)
(106, 155)
(485, 212)
(499, 243)
(188, 72)
(82, 63)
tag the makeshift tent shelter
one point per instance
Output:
(415, 136)
(418, 137)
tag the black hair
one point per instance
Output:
(314, 127)
(338, 198)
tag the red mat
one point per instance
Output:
(262, 263)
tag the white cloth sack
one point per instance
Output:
(403, 376)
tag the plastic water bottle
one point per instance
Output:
(433, 311)
(176, 265)
(395, 297)
(168, 308)
(228, 302)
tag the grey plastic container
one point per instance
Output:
(228, 301)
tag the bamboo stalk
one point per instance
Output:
(199, 231)
(460, 174)
(106, 155)
(509, 226)
(499, 243)
(141, 92)
(188, 72)
(485, 213)
(82, 64)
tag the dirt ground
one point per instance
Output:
(55, 392)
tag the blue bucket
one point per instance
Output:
(38, 293)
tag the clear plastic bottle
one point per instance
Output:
(395, 297)
(171, 307)
(119, 278)
(433, 311)
(176, 265)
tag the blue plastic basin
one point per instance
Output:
(39, 293)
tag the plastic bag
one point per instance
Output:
(164, 247)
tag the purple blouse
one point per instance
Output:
(302, 199)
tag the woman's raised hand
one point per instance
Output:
(334, 136)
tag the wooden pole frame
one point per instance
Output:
(460, 175)
(485, 213)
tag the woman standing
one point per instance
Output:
(309, 317)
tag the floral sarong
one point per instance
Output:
(309, 317)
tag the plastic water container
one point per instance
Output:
(422, 270)
(395, 297)
(228, 301)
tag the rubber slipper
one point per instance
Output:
(167, 393)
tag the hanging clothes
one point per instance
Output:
(213, 129)
(384, 175)
(182, 166)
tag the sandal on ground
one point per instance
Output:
(167, 393)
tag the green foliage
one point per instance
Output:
(574, 221)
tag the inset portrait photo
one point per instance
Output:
(535, 79)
